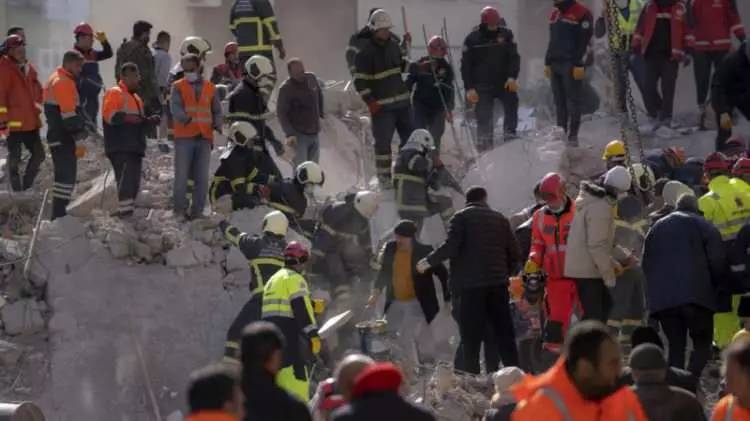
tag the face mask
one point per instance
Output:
(191, 77)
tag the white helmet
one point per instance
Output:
(422, 138)
(618, 178)
(309, 172)
(380, 19)
(276, 223)
(241, 132)
(644, 176)
(258, 66)
(672, 192)
(195, 45)
(366, 203)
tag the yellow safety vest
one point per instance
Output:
(627, 26)
(278, 293)
(725, 207)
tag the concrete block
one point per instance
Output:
(102, 194)
(120, 244)
(236, 261)
(9, 353)
(11, 249)
(22, 317)
(143, 251)
(193, 253)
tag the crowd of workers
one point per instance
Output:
(636, 245)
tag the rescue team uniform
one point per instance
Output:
(253, 24)
(241, 170)
(90, 80)
(431, 80)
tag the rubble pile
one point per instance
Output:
(457, 397)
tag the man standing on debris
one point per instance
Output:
(731, 90)
(197, 113)
(431, 80)
(137, 51)
(20, 97)
(359, 40)
(162, 65)
(230, 72)
(489, 67)
(570, 33)
(264, 254)
(287, 304)
(125, 125)
(65, 128)
(90, 81)
(254, 26)
(483, 253)
(377, 79)
(663, 38)
(300, 109)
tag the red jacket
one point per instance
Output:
(549, 238)
(682, 38)
(712, 23)
(20, 96)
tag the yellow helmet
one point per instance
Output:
(615, 148)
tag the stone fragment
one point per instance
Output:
(10, 353)
(101, 195)
(22, 317)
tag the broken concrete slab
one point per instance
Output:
(10, 353)
(38, 273)
(101, 195)
(11, 249)
(143, 251)
(193, 253)
(22, 317)
(236, 261)
(120, 244)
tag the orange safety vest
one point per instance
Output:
(549, 239)
(199, 110)
(729, 410)
(119, 100)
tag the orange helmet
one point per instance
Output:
(83, 28)
(674, 155)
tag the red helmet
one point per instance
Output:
(83, 28)
(14, 41)
(716, 161)
(735, 144)
(490, 16)
(231, 48)
(437, 47)
(296, 253)
(741, 167)
(552, 188)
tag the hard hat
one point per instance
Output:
(14, 41)
(366, 203)
(615, 148)
(309, 173)
(490, 16)
(552, 188)
(258, 66)
(275, 223)
(195, 45)
(618, 178)
(437, 47)
(422, 138)
(231, 48)
(741, 167)
(83, 28)
(675, 155)
(380, 19)
(716, 161)
(673, 190)
(241, 132)
(295, 253)
(644, 176)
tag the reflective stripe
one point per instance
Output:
(283, 208)
(677, 51)
(378, 76)
(556, 399)
(327, 228)
(278, 313)
(236, 182)
(408, 177)
(68, 115)
(352, 49)
(15, 124)
(664, 16)
(255, 266)
(3, 110)
(309, 329)
(365, 92)
(722, 41)
(248, 116)
(570, 21)
(391, 100)
(299, 294)
(231, 344)
(702, 43)
(737, 268)
(251, 48)
(382, 157)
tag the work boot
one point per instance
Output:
(573, 140)
(702, 118)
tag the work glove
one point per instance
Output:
(101, 36)
(515, 288)
(619, 269)
(374, 107)
(511, 85)
(530, 267)
(80, 151)
(264, 192)
(282, 51)
(319, 306)
(423, 266)
(315, 345)
(725, 121)
(472, 96)
(449, 116)
(579, 72)
(547, 72)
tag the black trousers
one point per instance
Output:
(433, 120)
(486, 116)
(491, 353)
(127, 166)
(595, 299)
(66, 167)
(660, 72)
(703, 64)
(482, 307)
(723, 135)
(693, 320)
(568, 94)
(249, 313)
(33, 143)
(384, 125)
(91, 107)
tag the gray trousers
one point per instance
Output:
(308, 148)
(406, 319)
(191, 162)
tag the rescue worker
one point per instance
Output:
(254, 27)
(230, 72)
(138, 52)
(359, 40)
(670, 193)
(248, 101)
(291, 195)
(735, 406)
(663, 38)
(65, 128)
(570, 33)
(741, 175)
(550, 226)
(214, 394)
(415, 175)
(582, 385)
(125, 136)
(666, 163)
(287, 304)
(731, 90)
(264, 254)
(490, 65)
(20, 99)
(727, 209)
(190, 45)
(378, 81)
(712, 23)
(615, 154)
(90, 81)
(431, 81)
(243, 168)
(342, 241)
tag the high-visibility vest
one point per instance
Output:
(119, 100)
(627, 26)
(199, 110)
(728, 410)
(726, 208)
(552, 394)
(278, 293)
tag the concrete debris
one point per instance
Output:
(38, 274)
(175, 416)
(11, 249)
(3, 164)
(3, 302)
(155, 242)
(193, 253)
(62, 323)
(143, 251)
(236, 261)
(102, 195)
(22, 317)
(9, 354)
(120, 244)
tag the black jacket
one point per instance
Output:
(489, 59)
(341, 223)
(247, 104)
(675, 377)
(377, 76)
(265, 401)
(731, 83)
(288, 196)
(426, 91)
(481, 246)
(379, 406)
(120, 136)
(254, 26)
(242, 169)
(571, 27)
(662, 402)
(423, 283)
